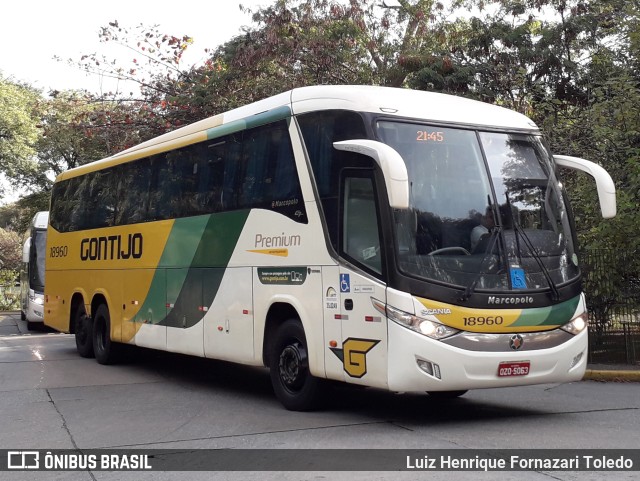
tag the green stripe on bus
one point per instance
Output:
(279, 113)
(179, 251)
(557, 315)
(197, 252)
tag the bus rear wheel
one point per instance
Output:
(83, 327)
(105, 350)
(291, 379)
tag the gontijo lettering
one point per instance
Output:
(114, 247)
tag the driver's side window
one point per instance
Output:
(360, 233)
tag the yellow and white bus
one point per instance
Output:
(404, 240)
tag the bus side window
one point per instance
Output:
(257, 150)
(133, 192)
(233, 173)
(319, 131)
(211, 175)
(62, 205)
(361, 234)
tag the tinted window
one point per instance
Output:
(250, 169)
(320, 130)
(361, 237)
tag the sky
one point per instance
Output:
(32, 32)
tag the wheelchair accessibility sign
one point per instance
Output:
(345, 283)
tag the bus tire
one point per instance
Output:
(292, 382)
(83, 327)
(446, 394)
(105, 350)
(32, 326)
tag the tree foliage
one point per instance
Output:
(18, 131)
(10, 250)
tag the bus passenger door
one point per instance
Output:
(363, 348)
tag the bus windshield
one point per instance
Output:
(37, 257)
(486, 210)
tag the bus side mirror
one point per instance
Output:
(393, 168)
(604, 182)
(26, 249)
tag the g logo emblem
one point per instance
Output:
(354, 355)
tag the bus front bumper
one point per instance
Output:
(418, 363)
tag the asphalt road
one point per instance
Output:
(50, 398)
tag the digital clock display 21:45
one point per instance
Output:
(429, 136)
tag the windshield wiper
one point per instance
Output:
(492, 243)
(555, 293)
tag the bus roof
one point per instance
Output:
(416, 104)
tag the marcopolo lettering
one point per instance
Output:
(114, 247)
(510, 300)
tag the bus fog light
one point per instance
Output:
(577, 325)
(431, 368)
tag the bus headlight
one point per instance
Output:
(431, 329)
(36, 300)
(577, 325)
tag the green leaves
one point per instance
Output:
(18, 130)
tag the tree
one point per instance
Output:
(78, 127)
(330, 42)
(18, 131)
(10, 250)
(17, 216)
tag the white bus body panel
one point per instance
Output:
(34, 311)
(364, 330)
(152, 336)
(462, 369)
(228, 324)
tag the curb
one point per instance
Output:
(617, 376)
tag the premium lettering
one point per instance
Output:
(114, 247)
(269, 242)
(510, 300)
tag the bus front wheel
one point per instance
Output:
(106, 351)
(291, 379)
(84, 333)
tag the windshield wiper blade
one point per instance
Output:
(555, 293)
(471, 288)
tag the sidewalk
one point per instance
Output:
(11, 325)
(612, 372)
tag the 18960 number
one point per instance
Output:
(484, 321)
(58, 251)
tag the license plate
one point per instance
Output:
(510, 369)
